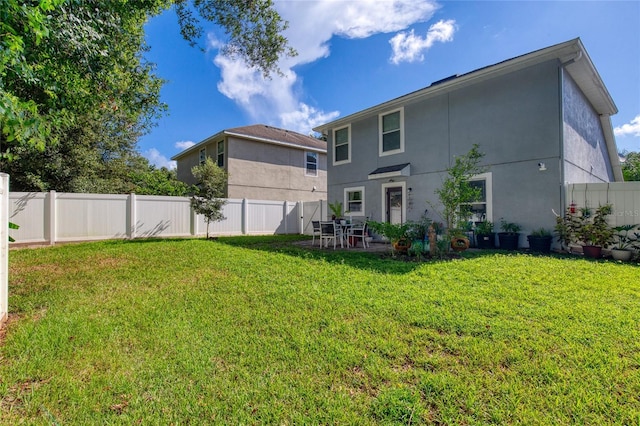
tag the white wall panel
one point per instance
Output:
(91, 216)
(624, 196)
(29, 210)
(162, 216)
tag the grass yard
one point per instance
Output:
(255, 331)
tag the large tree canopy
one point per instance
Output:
(631, 167)
(76, 92)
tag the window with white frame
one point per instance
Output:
(220, 158)
(481, 209)
(203, 155)
(342, 145)
(391, 132)
(311, 163)
(354, 201)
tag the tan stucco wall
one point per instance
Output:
(263, 171)
(271, 172)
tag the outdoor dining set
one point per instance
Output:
(342, 232)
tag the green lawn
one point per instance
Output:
(255, 331)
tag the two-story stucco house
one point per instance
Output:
(541, 119)
(263, 163)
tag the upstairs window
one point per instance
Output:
(342, 145)
(391, 132)
(203, 155)
(220, 158)
(311, 163)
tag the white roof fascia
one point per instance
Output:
(197, 146)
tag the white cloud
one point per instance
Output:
(629, 129)
(312, 24)
(158, 160)
(182, 145)
(407, 47)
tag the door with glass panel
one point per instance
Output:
(394, 204)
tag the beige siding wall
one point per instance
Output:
(186, 163)
(263, 171)
(272, 172)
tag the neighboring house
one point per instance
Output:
(542, 120)
(263, 162)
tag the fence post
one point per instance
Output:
(131, 216)
(4, 247)
(245, 217)
(300, 207)
(285, 218)
(53, 220)
(194, 221)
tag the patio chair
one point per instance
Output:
(317, 232)
(330, 232)
(359, 231)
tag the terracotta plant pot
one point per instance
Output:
(402, 245)
(593, 252)
(459, 243)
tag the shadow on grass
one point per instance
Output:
(378, 261)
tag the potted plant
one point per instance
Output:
(509, 236)
(336, 209)
(459, 241)
(591, 231)
(419, 230)
(396, 233)
(485, 236)
(624, 244)
(540, 240)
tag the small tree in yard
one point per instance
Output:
(208, 200)
(457, 193)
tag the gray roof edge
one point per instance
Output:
(234, 132)
(564, 52)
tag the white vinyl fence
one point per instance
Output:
(4, 247)
(624, 196)
(51, 217)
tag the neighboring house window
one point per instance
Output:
(354, 201)
(311, 163)
(391, 132)
(220, 154)
(203, 155)
(342, 145)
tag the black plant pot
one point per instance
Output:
(508, 241)
(486, 241)
(540, 244)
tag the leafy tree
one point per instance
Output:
(162, 181)
(72, 72)
(456, 192)
(254, 29)
(211, 186)
(631, 167)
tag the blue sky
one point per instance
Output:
(354, 54)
